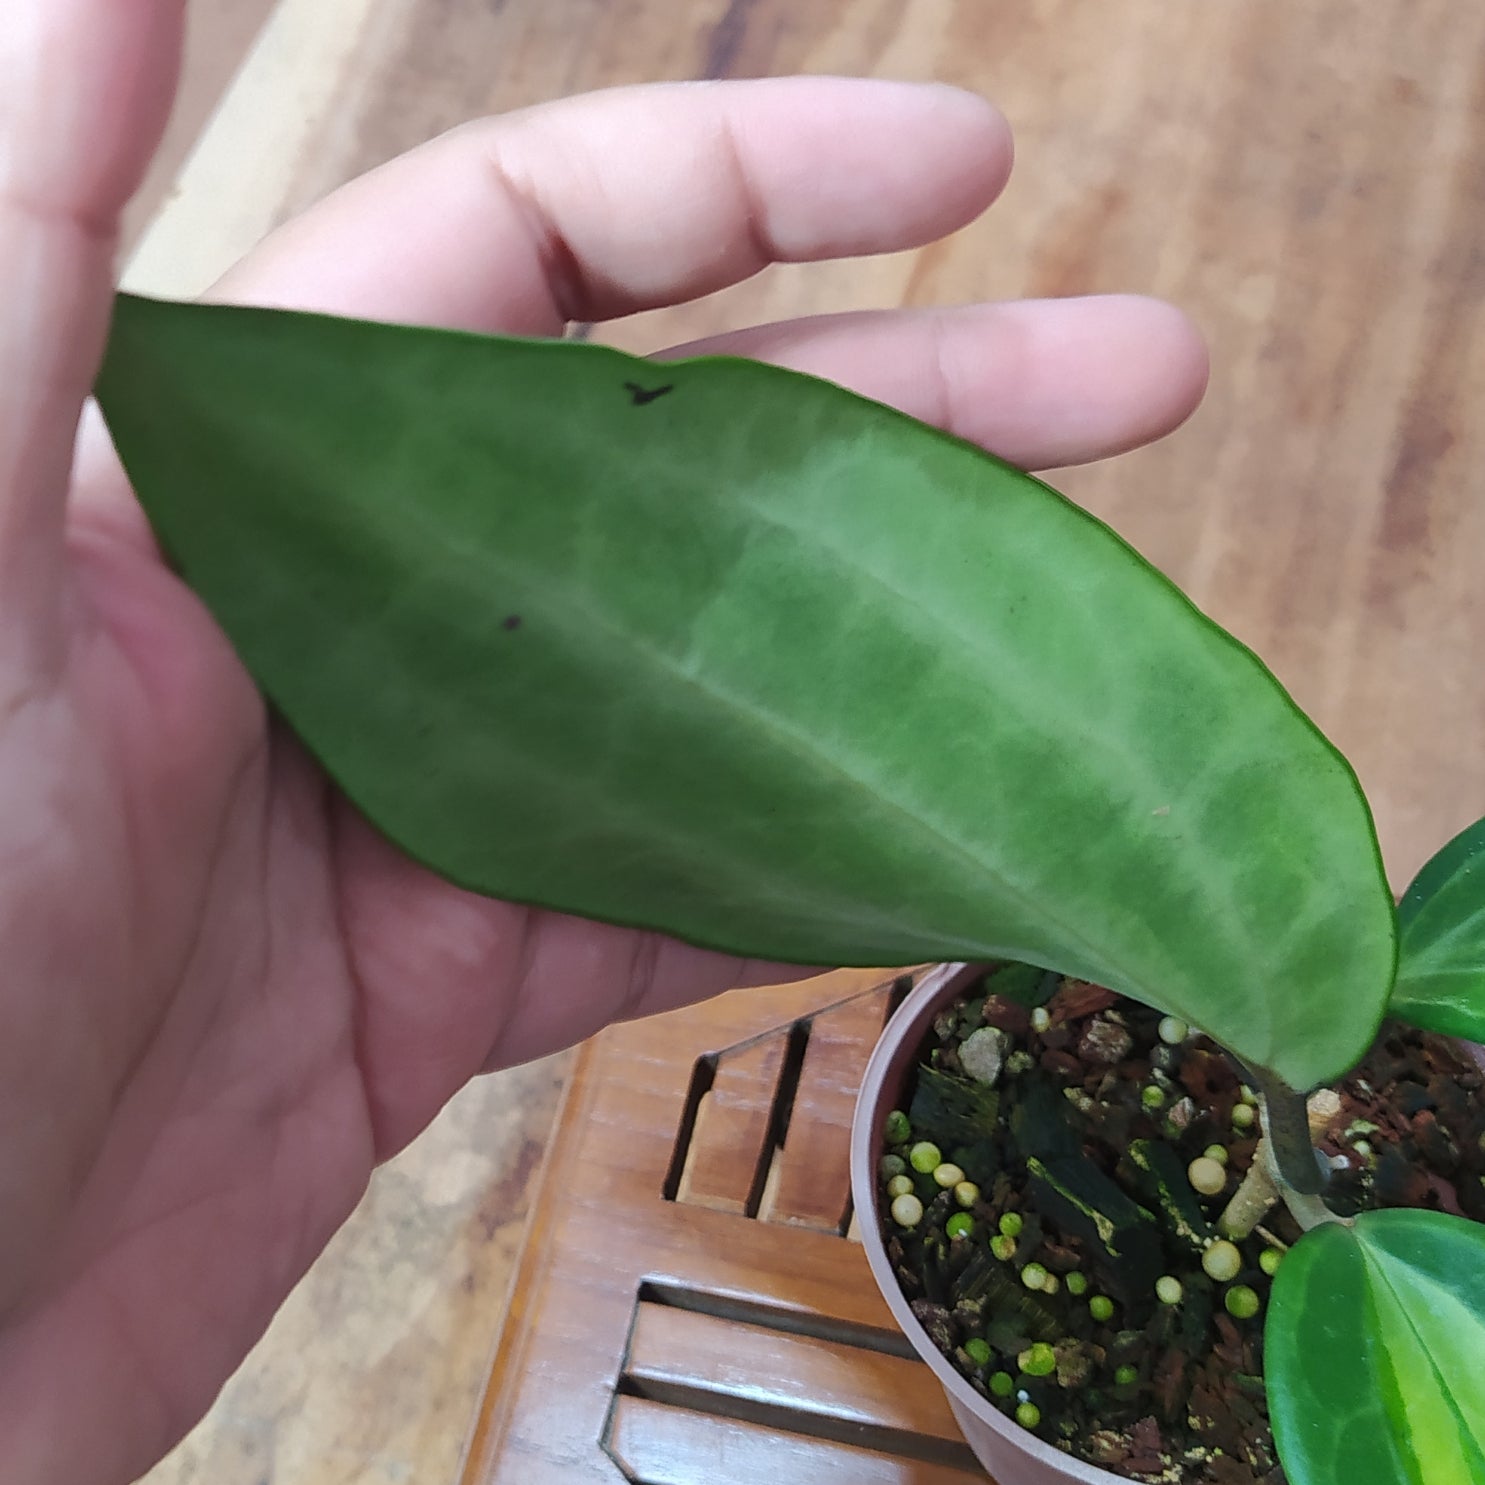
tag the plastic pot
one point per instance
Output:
(1013, 1455)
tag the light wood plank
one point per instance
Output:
(814, 1377)
(813, 1186)
(219, 36)
(729, 1144)
(230, 192)
(671, 1446)
(603, 1233)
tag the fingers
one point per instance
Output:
(1042, 383)
(610, 202)
(605, 204)
(600, 205)
(84, 89)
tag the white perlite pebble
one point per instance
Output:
(1173, 1031)
(907, 1211)
(1206, 1175)
(982, 1054)
(1222, 1261)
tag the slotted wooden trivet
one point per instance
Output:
(690, 1307)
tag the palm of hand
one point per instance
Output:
(242, 998)
(226, 996)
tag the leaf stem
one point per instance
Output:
(1287, 1125)
(1308, 1211)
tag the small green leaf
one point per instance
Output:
(721, 649)
(1026, 984)
(1373, 1351)
(1441, 948)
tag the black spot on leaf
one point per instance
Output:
(642, 395)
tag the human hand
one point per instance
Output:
(225, 996)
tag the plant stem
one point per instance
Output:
(1288, 1129)
(1264, 1184)
(1308, 1211)
(1251, 1202)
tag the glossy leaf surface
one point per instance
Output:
(1441, 959)
(725, 650)
(1374, 1352)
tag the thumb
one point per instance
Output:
(85, 87)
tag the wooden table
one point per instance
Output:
(690, 1304)
(1306, 180)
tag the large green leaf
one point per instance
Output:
(1441, 959)
(726, 650)
(1374, 1351)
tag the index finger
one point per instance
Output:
(600, 205)
(84, 89)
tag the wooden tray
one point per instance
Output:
(690, 1306)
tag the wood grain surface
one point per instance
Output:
(219, 36)
(1305, 180)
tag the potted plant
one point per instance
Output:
(1164, 1378)
(729, 652)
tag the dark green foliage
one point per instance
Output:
(1039, 1122)
(1441, 962)
(959, 1110)
(1163, 1182)
(1024, 983)
(1086, 1202)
